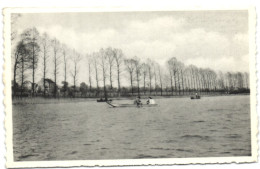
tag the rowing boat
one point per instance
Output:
(195, 97)
(130, 105)
(105, 100)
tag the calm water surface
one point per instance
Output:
(178, 127)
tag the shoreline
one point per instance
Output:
(42, 100)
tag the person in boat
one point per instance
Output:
(150, 101)
(196, 95)
(138, 101)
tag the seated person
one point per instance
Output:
(150, 101)
(138, 101)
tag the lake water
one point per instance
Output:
(178, 127)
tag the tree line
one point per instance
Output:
(110, 72)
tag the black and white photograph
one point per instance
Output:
(138, 85)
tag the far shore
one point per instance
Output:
(42, 100)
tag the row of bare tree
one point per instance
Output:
(150, 78)
(30, 49)
(108, 65)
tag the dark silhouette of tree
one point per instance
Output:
(130, 67)
(76, 57)
(31, 39)
(144, 69)
(89, 62)
(160, 78)
(95, 60)
(118, 55)
(111, 59)
(65, 52)
(56, 61)
(45, 44)
(104, 66)
(150, 74)
(83, 89)
(138, 67)
(21, 61)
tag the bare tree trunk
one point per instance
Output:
(65, 71)
(76, 59)
(22, 73)
(44, 73)
(45, 45)
(74, 78)
(144, 84)
(150, 80)
(15, 68)
(89, 76)
(155, 81)
(55, 46)
(33, 69)
(97, 81)
(160, 77)
(179, 86)
(19, 53)
(182, 82)
(131, 79)
(175, 82)
(172, 85)
(118, 56)
(55, 73)
(110, 77)
(138, 88)
(104, 83)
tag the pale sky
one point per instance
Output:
(214, 39)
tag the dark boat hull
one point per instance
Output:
(195, 97)
(131, 105)
(104, 100)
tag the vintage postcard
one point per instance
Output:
(121, 86)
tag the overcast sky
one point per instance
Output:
(214, 39)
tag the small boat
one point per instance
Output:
(131, 105)
(195, 97)
(104, 100)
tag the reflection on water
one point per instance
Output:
(178, 127)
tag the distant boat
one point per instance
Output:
(131, 105)
(104, 100)
(195, 97)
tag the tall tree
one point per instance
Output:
(138, 73)
(45, 44)
(17, 58)
(150, 74)
(155, 76)
(21, 58)
(130, 67)
(56, 61)
(89, 60)
(173, 64)
(76, 57)
(144, 74)
(31, 38)
(24, 65)
(103, 64)
(118, 55)
(65, 56)
(160, 78)
(169, 65)
(95, 60)
(110, 56)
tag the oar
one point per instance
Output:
(110, 104)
